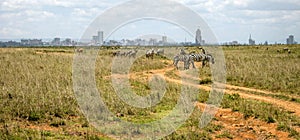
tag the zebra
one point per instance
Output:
(203, 51)
(128, 53)
(116, 53)
(160, 52)
(204, 58)
(122, 54)
(132, 53)
(186, 59)
(182, 52)
(150, 53)
(79, 50)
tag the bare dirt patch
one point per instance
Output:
(240, 128)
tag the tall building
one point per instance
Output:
(31, 42)
(152, 42)
(164, 40)
(56, 42)
(100, 37)
(198, 39)
(251, 41)
(95, 39)
(290, 40)
(66, 42)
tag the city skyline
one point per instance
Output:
(230, 20)
(147, 40)
(98, 40)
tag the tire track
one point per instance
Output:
(230, 89)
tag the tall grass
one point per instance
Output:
(264, 69)
(38, 88)
(35, 86)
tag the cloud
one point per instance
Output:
(234, 17)
(82, 12)
(13, 5)
(11, 32)
(27, 15)
(246, 11)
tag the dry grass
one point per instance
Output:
(264, 69)
(36, 88)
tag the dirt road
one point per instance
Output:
(231, 89)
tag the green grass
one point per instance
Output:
(38, 89)
(264, 69)
(35, 88)
(275, 95)
(31, 83)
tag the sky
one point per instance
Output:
(230, 20)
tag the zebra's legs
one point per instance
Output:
(186, 65)
(203, 64)
(193, 64)
(176, 64)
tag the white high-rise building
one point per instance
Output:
(198, 39)
(251, 41)
(100, 37)
(290, 40)
(164, 40)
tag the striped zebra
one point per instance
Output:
(160, 52)
(132, 53)
(117, 53)
(182, 52)
(186, 59)
(150, 53)
(204, 58)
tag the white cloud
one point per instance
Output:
(26, 15)
(244, 15)
(11, 32)
(78, 12)
(11, 5)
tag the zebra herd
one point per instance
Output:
(152, 52)
(131, 53)
(189, 59)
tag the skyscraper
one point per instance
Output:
(164, 40)
(251, 41)
(290, 40)
(56, 42)
(100, 37)
(198, 37)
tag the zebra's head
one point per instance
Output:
(211, 58)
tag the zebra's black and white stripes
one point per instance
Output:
(186, 59)
(189, 59)
(204, 58)
(150, 53)
(160, 52)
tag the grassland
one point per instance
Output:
(37, 99)
(264, 69)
